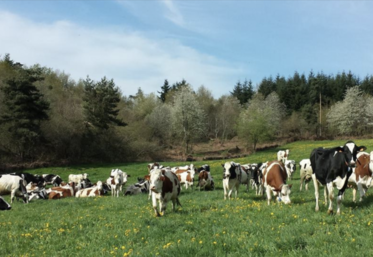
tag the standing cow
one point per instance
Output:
(13, 185)
(283, 155)
(305, 170)
(164, 187)
(274, 181)
(361, 178)
(231, 179)
(332, 167)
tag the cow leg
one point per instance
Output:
(339, 201)
(315, 183)
(326, 195)
(331, 197)
(306, 185)
(154, 201)
(301, 183)
(361, 191)
(269, 195)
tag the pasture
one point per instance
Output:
(205, 225)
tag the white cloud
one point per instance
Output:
(131, 59)
(173, 13)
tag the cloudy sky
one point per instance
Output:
(215, 43)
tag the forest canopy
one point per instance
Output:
(48, 117)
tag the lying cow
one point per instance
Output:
(274, 181)
(142, 186)
(13, 185)
(305, 170)
(68, 190)
(205, 180)
(332, 167)
(77, 178)
(93, 191)
(361, 178)
(231, 179)
(51, 179)
(165, 187)
(4, 206)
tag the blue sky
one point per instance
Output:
(140, 43)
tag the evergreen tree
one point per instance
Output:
(100, 103)
(164, 90)
(238, 92)
(25, 108)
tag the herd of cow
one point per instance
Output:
(340, 167)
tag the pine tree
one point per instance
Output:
(164, 90)
(100, 103)
(25, 108)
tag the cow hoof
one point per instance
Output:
(330, 212)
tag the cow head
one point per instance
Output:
(350, 150)
(290, 165)
(285, 194)
(156, 180)
(22, 188)
(229, 170)
(4, 205)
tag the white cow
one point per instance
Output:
(305, 170)
(13, 185)
(116, 181)
(165, 187)
(231, 179)
(290, 167)
(283, 155)
(77, 178)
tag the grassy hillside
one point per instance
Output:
(205, 225)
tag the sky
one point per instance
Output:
(214, 43)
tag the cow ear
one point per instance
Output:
(222, 165)
(290, 186)
(362, 148)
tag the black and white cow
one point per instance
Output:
(142, 186)
(4, 206)
(332, 167)
(52, 179)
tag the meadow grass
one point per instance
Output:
(205, 225)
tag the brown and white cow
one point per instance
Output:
(93, 191)
(361, 177)
(205, 180)
(283, 155)
(116, 181)
(165, 187)
(186, 177)
(274, 181)
(13, 185)
(231, 179)
(63, 191)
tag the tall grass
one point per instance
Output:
(205, 225)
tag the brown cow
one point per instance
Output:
(186, 177)
(274, 179)
(361, 177)
(61, 192)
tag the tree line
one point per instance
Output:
(45, 116)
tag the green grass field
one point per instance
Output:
(205, 225)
